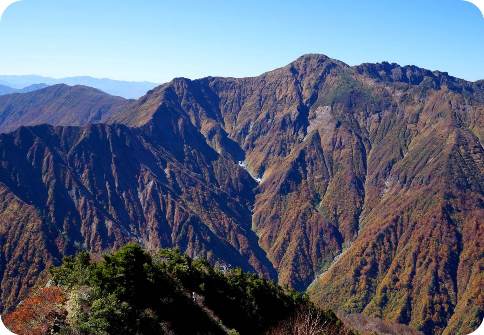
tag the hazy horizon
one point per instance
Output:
(158, 41)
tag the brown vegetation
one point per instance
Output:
(367, 180)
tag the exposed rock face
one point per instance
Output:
(368, 178)
(57, 105)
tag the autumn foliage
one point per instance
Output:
(131, 291)
(39, 314)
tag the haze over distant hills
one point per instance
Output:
(4, 90)
(362, 184)
(125, 89)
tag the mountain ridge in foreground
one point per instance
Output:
(134, 292)
(364, 182)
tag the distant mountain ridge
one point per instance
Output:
(125, 89)
(4, 90)
(364, 183)
(58, 105)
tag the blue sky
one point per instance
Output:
(157, 40)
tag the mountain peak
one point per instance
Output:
(312, 57)
(309, 62)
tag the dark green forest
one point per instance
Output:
(132, 291)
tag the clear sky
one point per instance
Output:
(157, 40)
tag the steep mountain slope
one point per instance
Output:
(102, 186)
(57, 105)
(263, 121)
(417, 258)
(377, 160)
(368, 179)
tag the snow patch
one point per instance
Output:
(243, 165)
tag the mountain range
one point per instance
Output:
(362, 185)
(4, 90)
(126, 89)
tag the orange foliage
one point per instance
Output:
(38, 314)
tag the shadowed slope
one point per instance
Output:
(102, 186)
